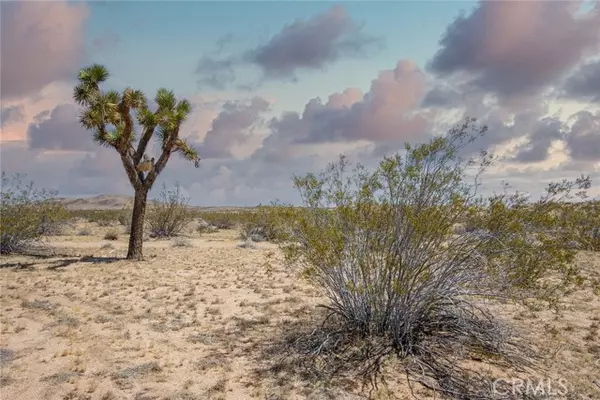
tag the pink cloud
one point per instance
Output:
(42, 42)
(518, 47)
(389, 111)
(30, 107)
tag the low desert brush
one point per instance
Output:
(170, 215)
(26, 214)
(382, 245)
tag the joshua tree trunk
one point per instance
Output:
(137, 225)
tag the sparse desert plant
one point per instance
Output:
(26, 214)
(248, 243)
(112, 115)
(261, 225)
(111, 235)
(182, 242)
(584, 218)
(221, 220)
(125, 216)
(382, 246)
(85, 232)
(98, 216)
(104, 222)
(205, 227)
(170, 215)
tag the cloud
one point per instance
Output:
(517, 47)
(10, 115)
(216, 73)
(443, 97)
(540, 141)
(233, 126)
(42, 42)
(59, 129)
(15, 129)
(584, 83)
(583, 140)
(311, 44)
(386, 112)
(107, 41)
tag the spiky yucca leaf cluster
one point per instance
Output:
(109, 116)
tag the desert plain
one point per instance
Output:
(205, 318)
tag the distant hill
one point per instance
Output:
(117, 202)
(102, 202)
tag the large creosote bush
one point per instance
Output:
(26, 213)
(382, 245)
(170, 215)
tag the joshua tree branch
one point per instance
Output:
(143, 143)
(135, 179)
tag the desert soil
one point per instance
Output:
(196, 322)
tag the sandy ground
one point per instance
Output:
(192, 323)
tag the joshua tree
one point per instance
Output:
(110, 115)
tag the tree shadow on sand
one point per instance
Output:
(58, 263)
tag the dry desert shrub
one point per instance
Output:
(170, 215)
(111, 235)
(262, 225)
(401, 280)
(222, 219)
(26, 213)
(101, 217)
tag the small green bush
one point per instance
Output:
(262, 225)
(125, 217)
(585, 220)
(170, 215)
(182, 242)
(101, 217)
(111, 235)
(26, 214)
(221, 220)
(85, 232)
(206, 227)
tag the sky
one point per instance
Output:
(281, 88)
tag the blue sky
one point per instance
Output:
(160, 40)
(386, 73)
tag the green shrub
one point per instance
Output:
(85, 232)
(261, 225)
(125, 217)
(221, 220)
(585, 220)
(382, 245)
(182, 242)
(26, 214)
(170, 215)
(111, 235)
(101, 217)
(205, 227)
